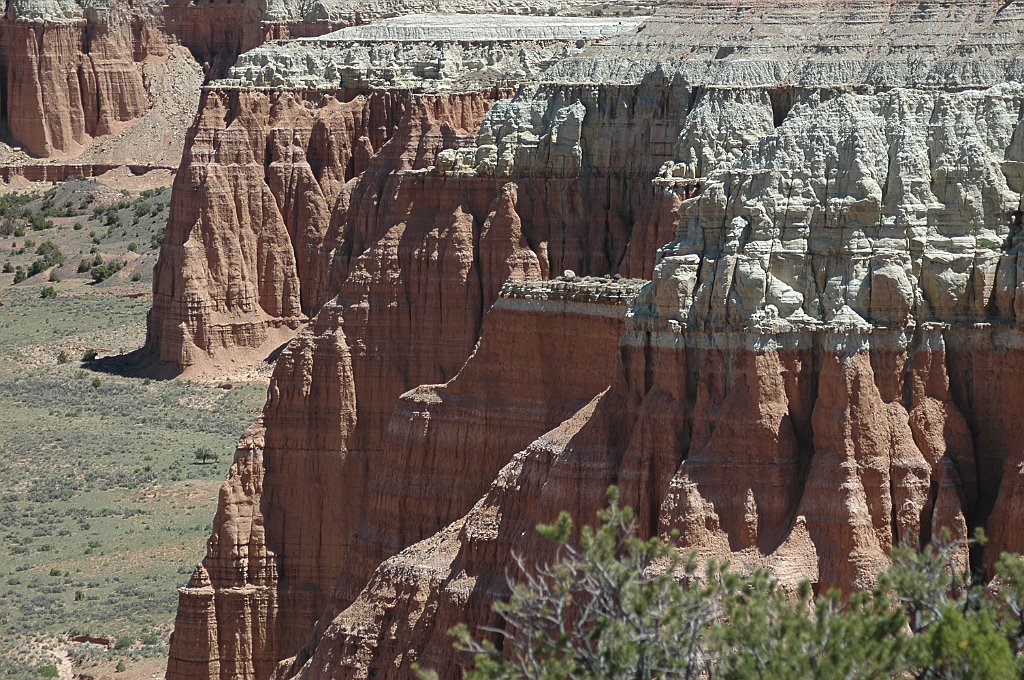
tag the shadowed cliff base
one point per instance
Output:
(136, 364)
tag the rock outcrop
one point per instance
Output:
(344, 165)
(822, 366)
(285, 549)
(424, 52)
(256, 238)
(69, 77)
(73, 72)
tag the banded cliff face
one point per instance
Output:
(285, 551)
(256, 238)
(73, 73)
(822, 366)
(344, 166)
(65, 83)
(414, 258)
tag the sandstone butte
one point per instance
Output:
(823, 358)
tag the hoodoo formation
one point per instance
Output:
(791, 330)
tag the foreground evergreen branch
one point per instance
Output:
(612, 605)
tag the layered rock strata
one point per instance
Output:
(229, 273)
(73, 72)
(802, 420)
(284, 550)
(259, 206)
(415, 256)
(822, 366)
(432, 52)
(69, 77)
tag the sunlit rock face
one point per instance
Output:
(826, 201)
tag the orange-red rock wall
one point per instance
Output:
(280, 193)
(329, 512)
(63, 84)
(66, 84)
(810, 458)
(265, 212)
(413, 260)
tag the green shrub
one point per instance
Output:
(50, 256)
(13, 204)
(19, 275)
(49, 672)
(137, 276)
(8, 267)
(205, 455)
(50, 251)
(104, 271)
(120, 667)
(96, 382)
(54, 276)
(63, 357)
(40, 222)
(48, 293)
(614, 605)
(89, 355)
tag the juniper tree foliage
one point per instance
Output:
(612, 605)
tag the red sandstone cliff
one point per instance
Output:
(821, 368)
(796, 390)
(71, 74)
(260, 233)
(443, 443)
(758, 456)
(413, 259)
(74, 72)
(280, 194)
(66, 84)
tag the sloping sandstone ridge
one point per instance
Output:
(825, 363)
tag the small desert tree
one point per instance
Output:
(205, 455)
